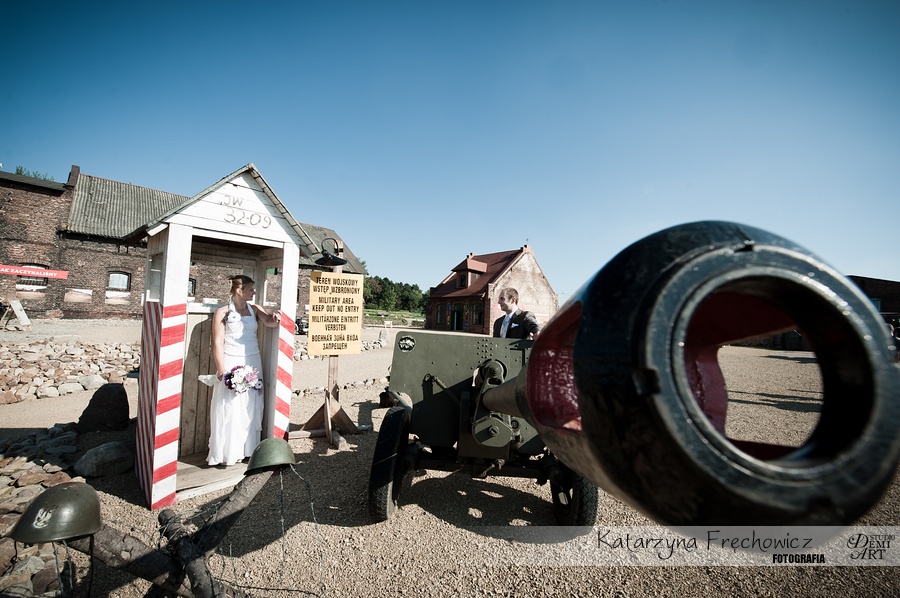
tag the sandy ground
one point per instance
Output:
(308, 533)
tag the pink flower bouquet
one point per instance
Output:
(242, 378)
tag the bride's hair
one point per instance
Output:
(238, 282)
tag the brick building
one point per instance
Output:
(885, 294)
(466, 300)
(91, 229)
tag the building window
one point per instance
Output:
(441, 319)
(119, 281)
(78, 295)
(478, 314)
(465, 279)
(31, 287)
(118, 288)
(192, 286)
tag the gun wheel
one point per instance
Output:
(388, 469)
(575, 499)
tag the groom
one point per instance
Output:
(516, 323)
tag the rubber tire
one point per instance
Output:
(388, 469)
(583, 499)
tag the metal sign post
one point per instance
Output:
(335, 327)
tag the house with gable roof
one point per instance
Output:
(93, 230)
(466, 300)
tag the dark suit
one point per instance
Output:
(521, 324)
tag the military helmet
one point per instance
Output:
(269, 454)
(63, 512)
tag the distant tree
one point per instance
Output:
(33, 174)
(383, 293)
(409, 297)
(389, 297)
(372, 290)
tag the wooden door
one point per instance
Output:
(196, 396)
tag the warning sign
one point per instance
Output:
(335, 313)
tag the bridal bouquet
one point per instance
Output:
(242, 378)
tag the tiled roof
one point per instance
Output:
(105, 208)
(470, 264)
(496, 264)
(318, 235)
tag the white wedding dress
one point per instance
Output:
(236, 418)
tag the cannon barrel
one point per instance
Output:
(623, 384)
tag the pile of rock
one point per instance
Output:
(53, 367)
(316, 390)
(33, 463)
(28, 466)
(301, 351)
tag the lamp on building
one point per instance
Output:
(328, 258)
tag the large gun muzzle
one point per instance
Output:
(624, 386)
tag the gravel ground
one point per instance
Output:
(447, 539)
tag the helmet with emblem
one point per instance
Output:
(63, 512)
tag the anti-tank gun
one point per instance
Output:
(623, 390)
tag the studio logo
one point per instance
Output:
(869, 547)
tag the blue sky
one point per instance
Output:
(422, 131)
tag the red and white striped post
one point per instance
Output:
(159, 409)
(283, 377)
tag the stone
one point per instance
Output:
(59, 477)
(25, 392)
(46, 580)
(68, 388)
(30, 478)
(107, 459)
(28, 566)
(47, 391)
(63, 438)
(7, 553)
(7, 397)
(57, 429)
(16, 586)
(107, 410)
(92, 382)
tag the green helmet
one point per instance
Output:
(269, 454)
(63, 512)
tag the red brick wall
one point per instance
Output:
(887, 291)
(30, 217)
(89, 263)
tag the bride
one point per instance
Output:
(236, 417)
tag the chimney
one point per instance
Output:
(73, 176)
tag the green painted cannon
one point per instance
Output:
(623, 391)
